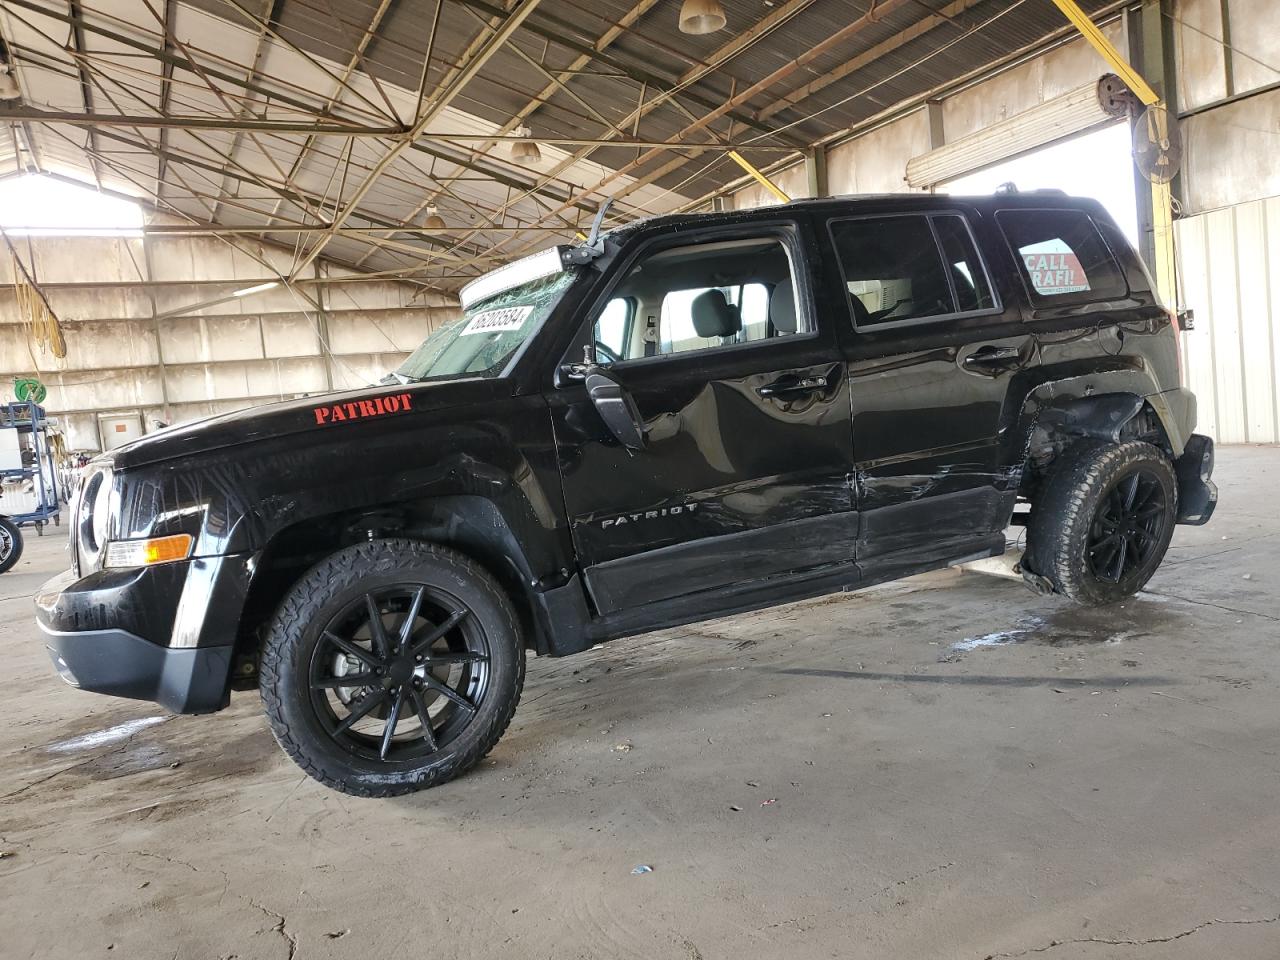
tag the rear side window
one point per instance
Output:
(1063, 256)
(973, 292)
(910, 268)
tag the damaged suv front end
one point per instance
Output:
(167, 532)
(155, 578)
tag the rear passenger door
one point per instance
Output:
(932, 346)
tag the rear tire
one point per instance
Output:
(430, 685)
(1103, 520)
(10, 544)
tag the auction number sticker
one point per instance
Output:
(495, 321)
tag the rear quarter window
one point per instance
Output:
(1062, 257)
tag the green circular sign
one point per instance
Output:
(29, 390)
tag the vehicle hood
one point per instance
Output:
(329, 417)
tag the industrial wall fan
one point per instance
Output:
(1157, 144)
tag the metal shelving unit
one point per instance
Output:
(32, 427)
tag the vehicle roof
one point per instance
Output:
(877, 202)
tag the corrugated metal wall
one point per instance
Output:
(1229, 263)
(225, 356)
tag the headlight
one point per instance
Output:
(92, 519)
(100, 511)
(144, 553)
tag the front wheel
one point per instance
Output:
(391, 666)
(10, 543)
(1103, 520)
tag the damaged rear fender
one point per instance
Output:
(1111, 406)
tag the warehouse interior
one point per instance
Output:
(214, 204)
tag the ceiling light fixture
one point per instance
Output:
(9, 89)
(701, 16)
(256, 288)
(524, 151)
(434, 221)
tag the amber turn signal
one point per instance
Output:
(143, 553)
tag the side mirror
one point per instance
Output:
(616, 408)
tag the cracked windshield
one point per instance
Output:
(482, 342)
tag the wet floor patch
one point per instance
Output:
(996, 638)
(1072, 626)
(133, 759)
(103, 738)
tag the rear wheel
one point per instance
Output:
(391, 666)
(10, 543)
(1103, 520)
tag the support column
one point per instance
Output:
(1155, 67)
(155, 332)
(1155, 60)
(322, 327)
(815, 171)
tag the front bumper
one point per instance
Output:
(115, 662)
(1197, 493)
(165, 633)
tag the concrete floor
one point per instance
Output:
(943, 767)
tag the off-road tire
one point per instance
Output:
(15, 540)
(294, 630)
(1064, 510)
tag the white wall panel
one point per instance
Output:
(1026, 86)
(1255, 326)
(225, 357)
(1197, 40)
(793, 181)
(1224, 311)
(1229, 265)
(1229, 153)
(290, 335)
(1255, 60)
(877, 162)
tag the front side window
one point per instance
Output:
(613, 329)
(701, 297)
(488, 334)
(679, 331)
(1063, 257)
(910, 267)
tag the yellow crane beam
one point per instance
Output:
(1165, 265)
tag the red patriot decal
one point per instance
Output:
(360, 409)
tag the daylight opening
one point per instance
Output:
(33, 205)
(1097, 164)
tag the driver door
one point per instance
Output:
(741, 395)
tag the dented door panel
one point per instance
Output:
(731, 485)
(926, 443)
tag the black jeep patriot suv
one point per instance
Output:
(684, 418)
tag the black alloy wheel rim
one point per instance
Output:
(399, 673)
(1127, 527)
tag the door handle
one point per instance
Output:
(785, 385)
(992, 358)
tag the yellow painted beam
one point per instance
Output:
(1089, 30)
(765, 182)
(1165, 267)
